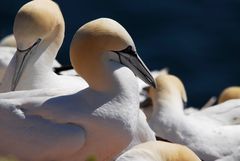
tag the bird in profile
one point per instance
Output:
(102, 120)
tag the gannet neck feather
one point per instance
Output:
(229, 93)
(168, 85)
(92, 45)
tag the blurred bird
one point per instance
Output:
(158, 151)
(103, 119)
(145, 100)
(209, 103)
(7, 50)
(6, 54)
(39, 32)
(229, 93)
(210, 133)
(142, 85)
(146, 104)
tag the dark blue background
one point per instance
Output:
(198, 40)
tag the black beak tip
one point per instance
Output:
(151, 81)
(153, 84)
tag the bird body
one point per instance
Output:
(33, 138)
(79, 109)
(105, 115)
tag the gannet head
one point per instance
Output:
(36, 20)
(144, 91)
(167, 85)
(105, 36)
(158, 150)
(37, 24)
(229, 93)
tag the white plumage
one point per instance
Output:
(39, 32)
(210, 133)
(102, 120)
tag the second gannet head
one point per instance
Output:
(158, 151)
(229, 93)
(103, 39)
(168, 88)
(38, 25)
(8, 41)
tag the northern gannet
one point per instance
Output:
(229, 93)
(210, 133)
(39, 31)
(158, 151)
(145, 100)
(101, 121)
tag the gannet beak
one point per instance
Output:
(23, 57)
(130, 58)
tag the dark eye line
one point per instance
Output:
(129, 50)
(28, 49)
(119, 56)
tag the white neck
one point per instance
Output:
(168, 103)
(37, 70)
(121, 81)
(122, 96)
(167, 113)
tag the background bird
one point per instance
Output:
(210, 133)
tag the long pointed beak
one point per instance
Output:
(142, 71)
(21, 62)
(133, 61)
